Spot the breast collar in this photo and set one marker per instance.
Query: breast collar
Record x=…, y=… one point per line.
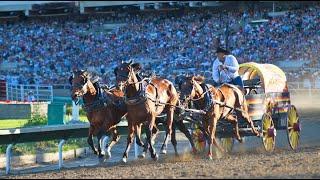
x=101, y=101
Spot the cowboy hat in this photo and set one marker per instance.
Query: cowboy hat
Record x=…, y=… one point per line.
x=221, y=50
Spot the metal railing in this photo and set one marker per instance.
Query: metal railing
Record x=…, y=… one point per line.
x=13, y=136
x=43, y=133
x=20, y=92
x=3, y=89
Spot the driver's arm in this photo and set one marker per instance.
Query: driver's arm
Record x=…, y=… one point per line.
x=215, y=71
x=232, y=64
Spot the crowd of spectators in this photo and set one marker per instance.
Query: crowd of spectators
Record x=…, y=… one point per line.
x=46, y=50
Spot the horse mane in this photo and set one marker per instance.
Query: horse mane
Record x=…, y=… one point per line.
x=136, y=67
x=200, y=79
x=116, y=92
x=115, y=71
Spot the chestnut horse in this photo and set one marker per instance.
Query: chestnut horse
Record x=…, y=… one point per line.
x=104, y=111
x=145, y=102
x=227, y=101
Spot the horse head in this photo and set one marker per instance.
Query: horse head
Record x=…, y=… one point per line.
x=126, y=74
x=190, y=87
x=81, y=85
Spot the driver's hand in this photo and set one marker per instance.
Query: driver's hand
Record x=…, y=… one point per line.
x=222, y=67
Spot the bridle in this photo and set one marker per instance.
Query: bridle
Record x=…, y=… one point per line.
x=80, y=86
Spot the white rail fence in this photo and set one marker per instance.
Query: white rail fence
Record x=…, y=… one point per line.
x=21, y=92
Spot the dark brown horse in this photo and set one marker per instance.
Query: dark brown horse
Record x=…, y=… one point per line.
x=104, y=111
x=225, y=100
x=145, y=103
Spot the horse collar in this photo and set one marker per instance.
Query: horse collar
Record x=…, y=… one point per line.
x=101, y=100
x=139, y=98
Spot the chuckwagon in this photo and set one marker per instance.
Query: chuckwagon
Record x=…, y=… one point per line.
x=269, y=106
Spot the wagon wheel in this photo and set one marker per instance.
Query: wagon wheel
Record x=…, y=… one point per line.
x=227, y=144
x=268, y=132
x=293, y=127
x=199, y=139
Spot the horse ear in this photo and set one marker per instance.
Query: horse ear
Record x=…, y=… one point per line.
x=85, y=73
x=136, y=67
x=70, y=79
x=115, y=71
x=198, y=78
x=130, y=62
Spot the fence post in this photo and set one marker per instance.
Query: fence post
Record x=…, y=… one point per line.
x=51, y=93
x=37, y=91
x=60, y=153
x=21, y=93
x=8, y=158
x=7, y=91
x=75, y=112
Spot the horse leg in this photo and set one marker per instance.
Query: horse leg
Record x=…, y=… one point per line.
x=129, y=140
x=90, y=140
x=99, y=135
x=149, y=134
x=169, y=124
x=138, y=135
x=146, y=145
x=115, y=139
x=165, y=144
x=212, y=132
x=140, y=142
x=234, y=121
x=246, y=116
x=155, y=131
x=174, y=139
x=185, y=131
x=170, y=127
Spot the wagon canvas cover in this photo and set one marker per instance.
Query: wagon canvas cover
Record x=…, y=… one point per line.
x=272, y=77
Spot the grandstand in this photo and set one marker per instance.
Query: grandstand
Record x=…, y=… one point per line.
x=42, y=41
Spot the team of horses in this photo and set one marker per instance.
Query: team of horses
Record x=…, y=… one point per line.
x=142, y=101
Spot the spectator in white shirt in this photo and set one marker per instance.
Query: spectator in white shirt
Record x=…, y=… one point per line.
x=30, y=97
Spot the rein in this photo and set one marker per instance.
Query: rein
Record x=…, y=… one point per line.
x=216, y=102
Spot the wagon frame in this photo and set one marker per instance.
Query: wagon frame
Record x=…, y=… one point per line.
x=269, y=107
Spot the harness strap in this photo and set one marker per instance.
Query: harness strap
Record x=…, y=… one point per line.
x=157, y=96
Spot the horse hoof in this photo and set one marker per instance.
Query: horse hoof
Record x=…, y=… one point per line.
x=258, y=134
x=163, y=151
x=108, y=155
x=210, y=158
x=143, y=155
x=194, y=151
x=155, y=157
x=95, y=152
x=124, y=160
x=100, y=156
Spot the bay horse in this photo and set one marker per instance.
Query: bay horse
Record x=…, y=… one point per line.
x=145, y=102
x=104, y=110
x=177, y=123
x=225, y=100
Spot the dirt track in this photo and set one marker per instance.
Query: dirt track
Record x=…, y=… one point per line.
x=247, y=160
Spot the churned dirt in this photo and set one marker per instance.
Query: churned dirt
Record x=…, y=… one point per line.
x=254, y=164
x=240, y=163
